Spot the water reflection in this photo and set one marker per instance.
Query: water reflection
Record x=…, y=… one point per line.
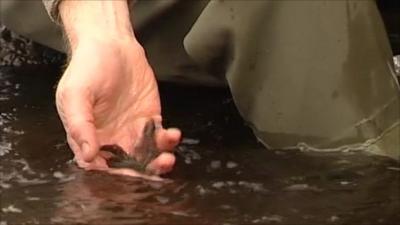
x=223, y=175
x=104, y=199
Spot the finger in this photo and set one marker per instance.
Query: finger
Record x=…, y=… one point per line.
x=76, y=109
x=167, y=139
x=164, y=163
x=132, y=173
x=74, y=147
x=98, y=163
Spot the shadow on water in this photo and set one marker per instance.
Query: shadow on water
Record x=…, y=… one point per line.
x=223, y=176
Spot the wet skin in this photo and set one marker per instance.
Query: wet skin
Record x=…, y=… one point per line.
x=145, y=152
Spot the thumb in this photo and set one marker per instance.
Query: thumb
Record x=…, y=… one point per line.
x=76, y=111
x=84, y=134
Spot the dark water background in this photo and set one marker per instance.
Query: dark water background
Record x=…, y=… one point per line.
x=223, y=176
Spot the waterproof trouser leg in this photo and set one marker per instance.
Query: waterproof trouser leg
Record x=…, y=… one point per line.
x=316, y=75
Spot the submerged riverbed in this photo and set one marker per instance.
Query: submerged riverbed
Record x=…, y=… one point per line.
x=223, y=175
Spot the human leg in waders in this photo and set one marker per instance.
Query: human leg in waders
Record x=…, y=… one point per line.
x=305, y=74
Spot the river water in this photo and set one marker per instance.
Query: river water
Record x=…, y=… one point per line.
x=223, y=175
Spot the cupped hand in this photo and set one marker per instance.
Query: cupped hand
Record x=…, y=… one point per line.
x=105, y=96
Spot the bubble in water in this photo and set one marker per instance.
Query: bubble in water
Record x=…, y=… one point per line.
x=215, y=164
x=11, y=209
x=231, y=165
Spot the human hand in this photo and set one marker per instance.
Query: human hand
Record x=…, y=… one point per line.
x=108, y=99
x=105, y=96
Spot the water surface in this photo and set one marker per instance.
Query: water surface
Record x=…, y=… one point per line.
x=223, y=175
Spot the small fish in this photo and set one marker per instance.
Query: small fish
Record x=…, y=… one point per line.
x=145, y=152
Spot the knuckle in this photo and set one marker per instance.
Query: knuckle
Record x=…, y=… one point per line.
x=74, y=133
x=73, y=130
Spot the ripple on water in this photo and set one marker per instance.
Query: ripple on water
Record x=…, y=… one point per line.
x=227, y=179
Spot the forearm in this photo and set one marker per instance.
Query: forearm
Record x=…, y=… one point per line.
x=100, y=20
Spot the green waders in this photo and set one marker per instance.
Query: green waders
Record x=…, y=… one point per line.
x=316, y=75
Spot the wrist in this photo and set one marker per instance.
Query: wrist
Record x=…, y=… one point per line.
x=106, y=46
x=99, y=21
x=104, y=42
